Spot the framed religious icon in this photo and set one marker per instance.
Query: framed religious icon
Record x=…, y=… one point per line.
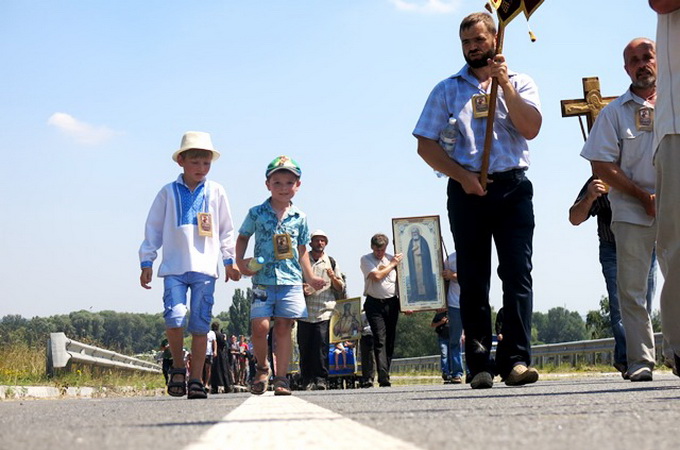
x=346, y=320
x=283, y=246
x=419, y=274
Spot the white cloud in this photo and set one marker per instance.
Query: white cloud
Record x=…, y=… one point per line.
x=427, y=6
x=82, y=132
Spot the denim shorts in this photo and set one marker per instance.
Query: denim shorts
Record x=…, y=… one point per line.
x=201, y=302
x=285, y=301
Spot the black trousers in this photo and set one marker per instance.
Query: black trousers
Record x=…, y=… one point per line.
x=382, y=316
x=505, y=215
x=367, y=358
x=313, y=344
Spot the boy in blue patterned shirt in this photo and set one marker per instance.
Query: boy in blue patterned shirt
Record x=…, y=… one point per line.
x=281, y=237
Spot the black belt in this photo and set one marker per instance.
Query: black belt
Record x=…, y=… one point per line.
x=510, y=175
x=381, y=300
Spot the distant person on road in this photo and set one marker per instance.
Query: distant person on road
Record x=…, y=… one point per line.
x=440, y=323
x=210, y=351
x=166, y=355
x=367, y=354
x=219, y=376
x=191, y=255
x=455, y=323
x=381, y=304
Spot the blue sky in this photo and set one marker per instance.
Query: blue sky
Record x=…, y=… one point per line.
x=95, y=97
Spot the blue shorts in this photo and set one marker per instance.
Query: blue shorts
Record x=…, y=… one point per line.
x=285, y=301
x=200, y=306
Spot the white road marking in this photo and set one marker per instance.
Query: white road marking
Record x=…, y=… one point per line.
x=271, y=423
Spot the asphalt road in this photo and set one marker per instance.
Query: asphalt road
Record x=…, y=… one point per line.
x=599, y=412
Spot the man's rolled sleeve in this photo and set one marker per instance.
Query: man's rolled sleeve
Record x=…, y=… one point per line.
x=435, y=114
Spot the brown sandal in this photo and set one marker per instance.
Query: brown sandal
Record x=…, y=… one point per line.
x=281, y=386
x=260, y=387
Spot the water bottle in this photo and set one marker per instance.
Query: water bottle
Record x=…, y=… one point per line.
x=447, y=139
x=255, y=264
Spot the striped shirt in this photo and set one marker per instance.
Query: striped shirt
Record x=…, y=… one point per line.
x=321, y=303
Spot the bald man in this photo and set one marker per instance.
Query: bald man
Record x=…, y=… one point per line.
x=620, y=149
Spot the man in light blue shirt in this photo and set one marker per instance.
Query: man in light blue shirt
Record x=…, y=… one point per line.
x=503, y=213
x=620, y=149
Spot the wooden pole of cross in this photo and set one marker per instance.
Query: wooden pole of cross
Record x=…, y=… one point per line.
x=488, y=137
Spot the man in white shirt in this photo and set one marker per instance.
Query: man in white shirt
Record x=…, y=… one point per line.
x=381, y=305
x=620, y=149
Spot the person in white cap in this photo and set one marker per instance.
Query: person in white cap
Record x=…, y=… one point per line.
x=312, y=331
x=190, y=218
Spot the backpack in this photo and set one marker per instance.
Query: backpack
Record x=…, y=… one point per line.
x=342, y=294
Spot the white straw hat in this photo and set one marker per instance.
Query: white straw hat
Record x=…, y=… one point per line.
x=196, y=140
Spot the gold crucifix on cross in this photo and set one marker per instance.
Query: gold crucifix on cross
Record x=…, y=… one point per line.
x=590, y=105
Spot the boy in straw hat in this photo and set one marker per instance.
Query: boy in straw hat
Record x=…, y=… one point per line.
x=281, y=236
x=191, y=220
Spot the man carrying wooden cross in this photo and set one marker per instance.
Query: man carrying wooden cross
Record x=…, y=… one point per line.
x=620, y=149
x=502, y=212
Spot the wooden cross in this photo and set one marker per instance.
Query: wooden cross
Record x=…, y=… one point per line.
x=590, y=105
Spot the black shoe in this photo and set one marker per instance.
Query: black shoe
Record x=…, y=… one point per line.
x=384, y=383
x=676, y=369
x=623, y=368
x=320, y=385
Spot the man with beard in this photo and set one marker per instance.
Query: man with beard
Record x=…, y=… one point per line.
x=312, y=331
x=503, y=213
x=620, y=149
x=422, y=281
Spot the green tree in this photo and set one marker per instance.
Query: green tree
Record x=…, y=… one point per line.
x=239, y=313
x=560, y=325
x=538, y=322
x=415, y=337
x=598, y=323
x=656, y=321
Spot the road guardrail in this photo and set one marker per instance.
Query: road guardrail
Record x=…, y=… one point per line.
x=596, y=351
x=62, y=350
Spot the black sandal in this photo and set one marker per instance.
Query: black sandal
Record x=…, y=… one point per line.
x=197, y=390
x=177, y=388
x=281, y=386
x=260, y=387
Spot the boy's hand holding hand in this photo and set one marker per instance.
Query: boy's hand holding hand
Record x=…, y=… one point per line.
x=145, y=277
x=232, y=273
x=243, y=267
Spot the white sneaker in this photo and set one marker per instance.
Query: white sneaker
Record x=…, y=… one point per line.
x=642, y=374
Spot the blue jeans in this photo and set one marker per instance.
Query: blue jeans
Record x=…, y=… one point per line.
x=608, y=262
x=455, y=333
x=200, y=303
